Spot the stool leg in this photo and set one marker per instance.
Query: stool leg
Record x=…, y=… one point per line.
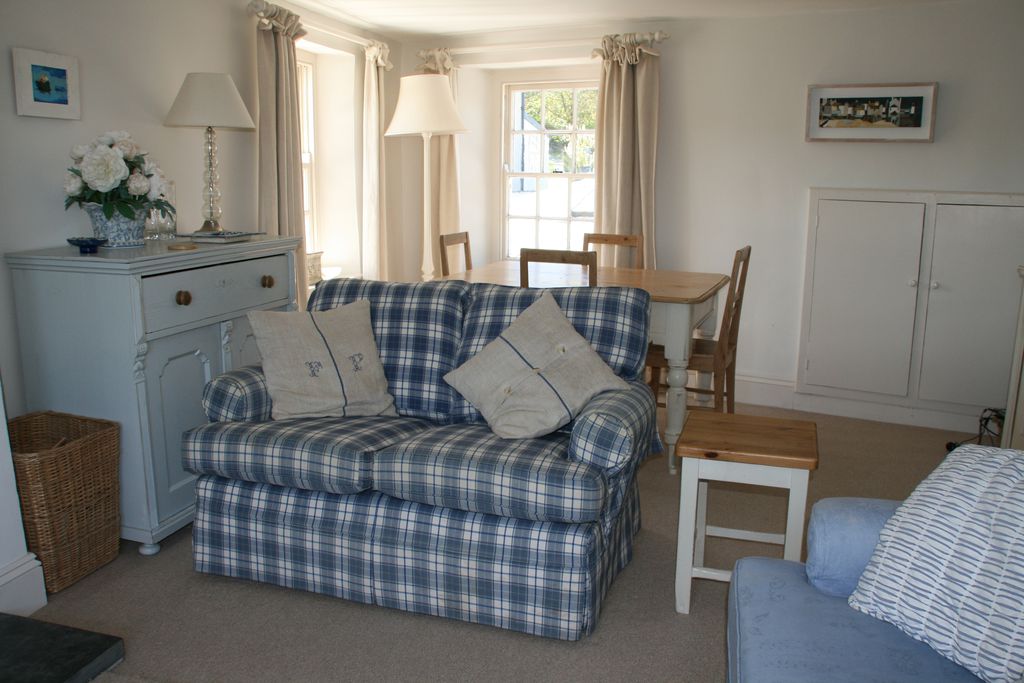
x=702, y=524
x=795, y=515
x=690, y=471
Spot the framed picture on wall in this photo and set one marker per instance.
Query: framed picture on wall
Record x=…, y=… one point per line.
x=891, y=112
x=45, y=84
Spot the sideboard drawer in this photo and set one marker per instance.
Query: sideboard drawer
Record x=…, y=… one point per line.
x=185, y=296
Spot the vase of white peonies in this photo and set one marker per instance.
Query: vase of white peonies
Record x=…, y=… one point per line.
x=117, y=186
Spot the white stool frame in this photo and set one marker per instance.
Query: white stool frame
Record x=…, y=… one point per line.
x=693, y=528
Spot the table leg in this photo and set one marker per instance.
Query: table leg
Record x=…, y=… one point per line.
x=795, y=515
x=687, y=523
x=702, y=524
x=677, y=354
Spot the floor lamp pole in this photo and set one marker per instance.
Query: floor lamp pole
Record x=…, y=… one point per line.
x=428, y=240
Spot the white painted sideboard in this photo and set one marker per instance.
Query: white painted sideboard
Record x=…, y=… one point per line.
x=133, y=336
x=911, y=298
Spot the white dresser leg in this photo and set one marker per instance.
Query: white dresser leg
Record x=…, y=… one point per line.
x=149, y=549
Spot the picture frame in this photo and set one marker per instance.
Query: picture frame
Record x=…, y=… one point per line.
x=885, y=112
x=46, y=84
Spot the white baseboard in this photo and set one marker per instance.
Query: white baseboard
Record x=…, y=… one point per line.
x=782, y=394
x=22, y=590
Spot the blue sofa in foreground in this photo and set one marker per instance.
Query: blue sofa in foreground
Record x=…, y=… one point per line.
x=790, y=622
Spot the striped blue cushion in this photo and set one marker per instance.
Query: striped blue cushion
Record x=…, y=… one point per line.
x=613, y=319
x=418, y=330
x=949, y=565
x=468, y=467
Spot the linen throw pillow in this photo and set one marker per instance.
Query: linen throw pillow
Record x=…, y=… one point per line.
x=322, y=364
x=536, y=376
x=948, y=569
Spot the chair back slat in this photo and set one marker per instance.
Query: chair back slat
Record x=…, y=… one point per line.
x=634, y=241
x=450, y=240
x=728, y=336
x=582, y=258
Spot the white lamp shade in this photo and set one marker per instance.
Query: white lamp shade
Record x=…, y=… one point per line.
x=209, y=100
x=425, y=105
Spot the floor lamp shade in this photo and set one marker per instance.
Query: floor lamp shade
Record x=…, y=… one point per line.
x=209, y=100
x=426, y=107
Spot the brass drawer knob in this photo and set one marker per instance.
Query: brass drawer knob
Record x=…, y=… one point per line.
x=183, y=297
x=267, y=281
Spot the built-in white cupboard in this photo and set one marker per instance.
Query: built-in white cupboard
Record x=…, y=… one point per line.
x=911, y=298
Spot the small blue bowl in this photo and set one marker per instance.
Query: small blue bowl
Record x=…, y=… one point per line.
x=86, y=245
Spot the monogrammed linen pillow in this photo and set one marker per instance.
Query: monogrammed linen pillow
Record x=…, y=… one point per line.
x=322, y=363
x=536, y=376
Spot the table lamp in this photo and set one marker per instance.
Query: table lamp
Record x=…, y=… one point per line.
x=425, y=107
x=209, y=100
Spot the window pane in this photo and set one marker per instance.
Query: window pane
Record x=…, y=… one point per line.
x=583, y=198
x=554, y=197
x=558, y=109
x=553, y=235
x=559, y=154
x=585, y=153
x=521, y=234
x=526, y=153
x=522, y=197
x=586, y=104
x=576, y=230
x=526, y=110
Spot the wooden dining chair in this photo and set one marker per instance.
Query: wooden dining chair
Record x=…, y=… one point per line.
x=709, y=355
x=450, y=240
x=634, y=241
x=583, y=258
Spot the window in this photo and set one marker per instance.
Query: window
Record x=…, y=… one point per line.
x=549, y=165
x=306, y=128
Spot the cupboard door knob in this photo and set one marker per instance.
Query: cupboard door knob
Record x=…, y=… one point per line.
x=911, y=282
x=183, y=297
x=267, y=281
x=934, y=284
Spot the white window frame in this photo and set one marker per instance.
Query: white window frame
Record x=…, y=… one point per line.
x=306, y=68
x=507, y=133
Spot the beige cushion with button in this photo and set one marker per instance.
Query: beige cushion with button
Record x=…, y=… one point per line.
x=536, y=376
x=322, y=364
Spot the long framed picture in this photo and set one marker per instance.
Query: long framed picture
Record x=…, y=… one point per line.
x=890, y=112
x=46, y=84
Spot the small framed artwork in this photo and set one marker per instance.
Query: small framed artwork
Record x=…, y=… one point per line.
x=46, y=84
x=891, y=112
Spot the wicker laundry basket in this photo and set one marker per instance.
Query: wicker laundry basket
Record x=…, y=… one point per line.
x=67, y=472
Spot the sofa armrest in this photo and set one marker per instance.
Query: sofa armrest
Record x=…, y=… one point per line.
x=238, y=396
x=841, y=537
x=615, y=428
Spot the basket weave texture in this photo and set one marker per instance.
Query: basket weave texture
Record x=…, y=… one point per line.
x=67, y=472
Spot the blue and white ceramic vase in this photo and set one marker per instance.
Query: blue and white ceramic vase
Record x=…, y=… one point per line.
x=119, y=231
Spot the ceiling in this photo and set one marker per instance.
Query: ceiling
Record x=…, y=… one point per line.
x=448, y=17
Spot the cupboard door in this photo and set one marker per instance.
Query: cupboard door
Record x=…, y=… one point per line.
x=241, y=349
x=864, y=295
x=177, y=369
x=973, y=298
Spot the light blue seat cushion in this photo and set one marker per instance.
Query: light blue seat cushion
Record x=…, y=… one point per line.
x=783, y=630
x=841, y=536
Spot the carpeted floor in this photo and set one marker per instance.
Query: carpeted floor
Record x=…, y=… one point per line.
x=182, y=626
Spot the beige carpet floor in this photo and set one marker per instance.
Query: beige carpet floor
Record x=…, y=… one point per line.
x=182, y=626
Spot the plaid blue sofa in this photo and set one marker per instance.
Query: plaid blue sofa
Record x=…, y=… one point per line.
x=431, y=512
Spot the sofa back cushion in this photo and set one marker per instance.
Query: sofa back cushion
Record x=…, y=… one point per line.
x=418, y=329
x=613, y=319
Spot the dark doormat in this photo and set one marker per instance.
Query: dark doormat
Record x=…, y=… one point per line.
x=38, y=652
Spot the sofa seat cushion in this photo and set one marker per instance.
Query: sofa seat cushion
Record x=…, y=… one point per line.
x=318, y=454
x=783, y=630
x=468, y=467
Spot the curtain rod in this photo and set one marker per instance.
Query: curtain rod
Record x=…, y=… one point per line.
x=653, y=37
x=334, y=33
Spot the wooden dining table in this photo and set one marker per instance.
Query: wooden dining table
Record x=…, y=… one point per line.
x=683, y=302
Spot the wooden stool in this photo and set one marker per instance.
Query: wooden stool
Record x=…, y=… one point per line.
x=742, y=449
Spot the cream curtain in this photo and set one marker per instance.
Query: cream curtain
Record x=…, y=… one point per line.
x=374, y=224
x=627, y=140
x=280, y=161
x=444, y=181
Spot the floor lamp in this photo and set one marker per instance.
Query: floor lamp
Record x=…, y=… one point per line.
x=425, y=107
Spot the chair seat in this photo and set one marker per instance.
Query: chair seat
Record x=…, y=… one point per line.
x=701, y=356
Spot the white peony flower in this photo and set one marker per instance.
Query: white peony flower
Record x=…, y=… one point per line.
x=157, y=186
x=138, y=184
x=103, y=169
x=127, y=148
x=113, y=136
x=78, y=152
x=72, y=184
